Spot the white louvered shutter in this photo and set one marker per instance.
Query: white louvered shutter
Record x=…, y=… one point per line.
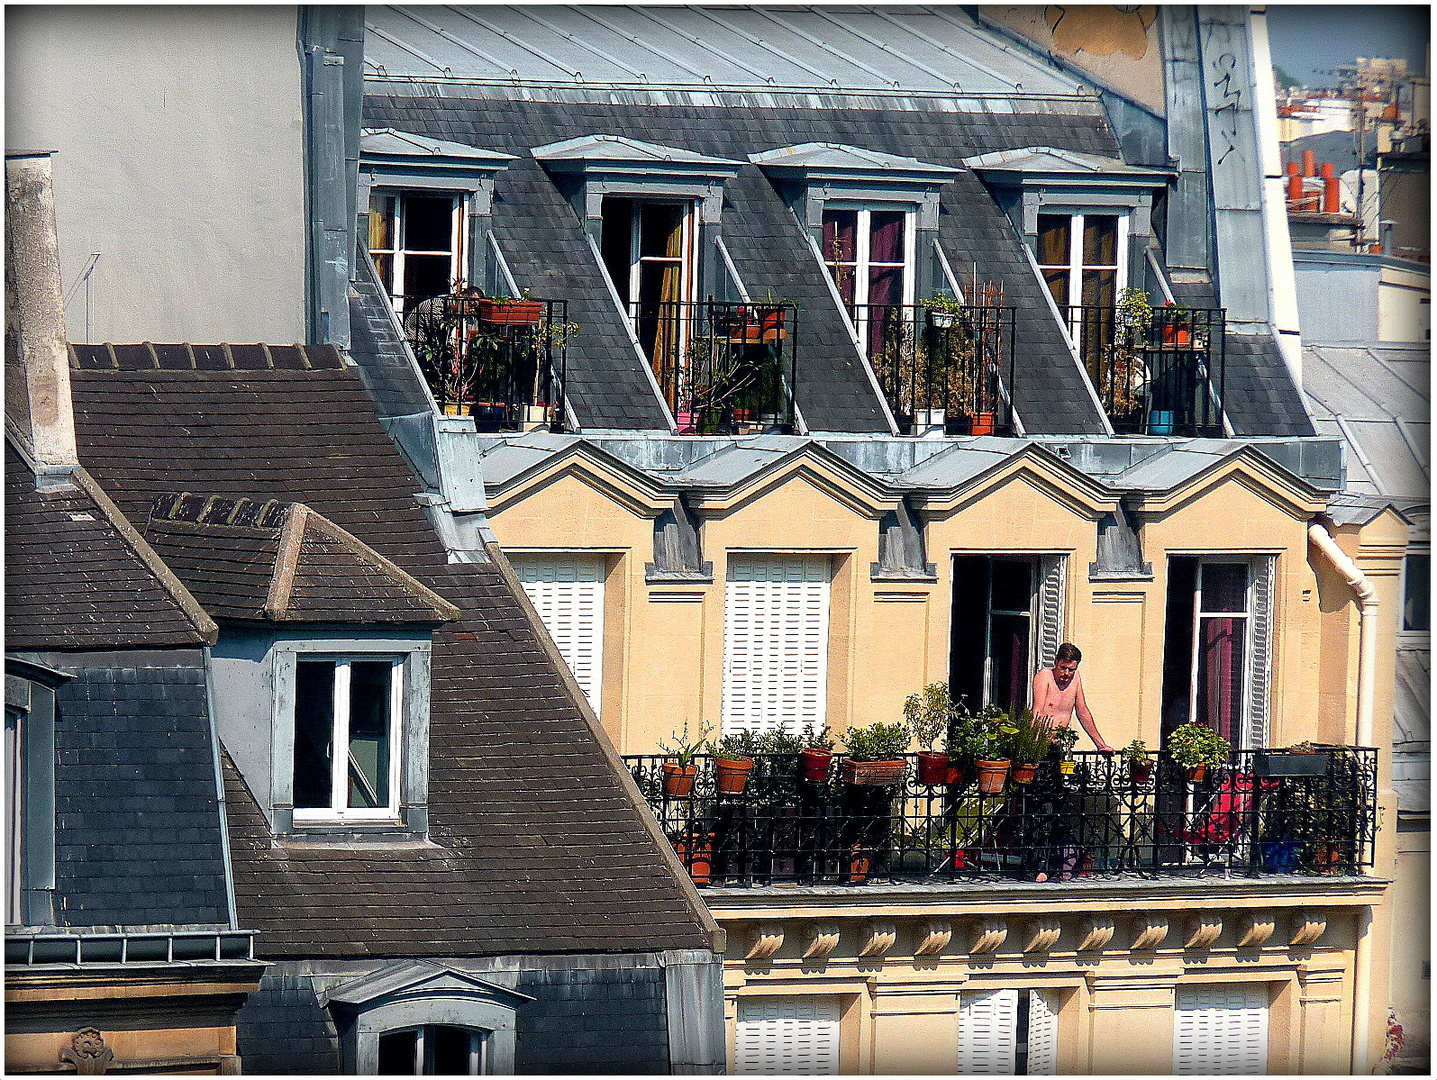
x=568, y=593
x=1052, y=585
x=1220, y=1030
x=775, y=643
x=1263, y=573
x=787, y=1035
x=1042, y=1033
x=988, y=1032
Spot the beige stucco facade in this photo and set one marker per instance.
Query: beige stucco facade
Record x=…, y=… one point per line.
x=1117, y=955
x=159, y=173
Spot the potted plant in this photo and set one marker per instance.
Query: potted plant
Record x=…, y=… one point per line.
x=679, y=774
x=510, y=310
x=990, y=754
x=733, y=760
x=874, y=753
x=928, y=715
x=1029, y=739
x=1140, y=762
x=944, y=312
x=1300, y=759
x=1195, y=747
x=1064, y=739
x=1177, y=326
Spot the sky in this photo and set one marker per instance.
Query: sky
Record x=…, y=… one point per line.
x=1309, y=40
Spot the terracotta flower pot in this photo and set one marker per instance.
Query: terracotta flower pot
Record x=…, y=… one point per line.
x=992, y=775
x=1141, y=774
x=697, y=855
x=1024, y=772
x=731, y=774
x=983, y=423
x=1197, y=773
x=511, y=312
x=679, y=780
x=813, y=764
x=959, y=772
x=932, y=768
x=1177, y=334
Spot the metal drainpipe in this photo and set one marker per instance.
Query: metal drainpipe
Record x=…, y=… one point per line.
x=1366, y=671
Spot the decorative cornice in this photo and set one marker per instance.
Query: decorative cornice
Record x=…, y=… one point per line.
x=881, y=934
x=1150, y=931
x=988, y=935
x=936, y=933
x=1306, y=926
x=1254, y=928
x=1043, y=934
x=822, y=940
x=1095, y=932
x=767, y=939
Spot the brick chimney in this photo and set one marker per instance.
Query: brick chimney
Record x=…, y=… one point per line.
x=38, y=412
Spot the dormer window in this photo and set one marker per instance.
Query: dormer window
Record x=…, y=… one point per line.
x=869, y=253
x=326, y=717
x=1083, y=257
x=416, y=242
x=648, y=249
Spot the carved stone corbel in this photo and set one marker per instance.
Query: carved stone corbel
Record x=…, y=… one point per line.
x=88, y=1053
x=1043, y=934
x=1253, y=929
x=1152, y=929
x=935, y=935
x=988, y=935
x=1306, y=926
x=1094, y=933
x=882, y=933
x=1202, y=930
x=822, y=940
x=767, y=940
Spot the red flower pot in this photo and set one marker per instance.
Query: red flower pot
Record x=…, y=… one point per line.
x=874, y=773
x=1174, y=334
x=1024, y=772
x=813, y=764
x=511, y=312
x=932, y=768
x=697, y=856
x=983, y=423
x=679, y=780
x=1141, y=773
x=1197, y=774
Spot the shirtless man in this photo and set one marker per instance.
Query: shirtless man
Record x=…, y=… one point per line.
x=1058, y=693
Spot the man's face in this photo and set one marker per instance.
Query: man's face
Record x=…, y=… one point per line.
x=1063, y=672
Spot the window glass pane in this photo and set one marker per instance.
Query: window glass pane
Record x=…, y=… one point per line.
x=1100, y=240
x=1054, y=231
x=398, y=1052
x=1416, y=600
x=616, y=243
x=1008, y=651
x=840, y=235
x=1100, y=287
x=428, y=222
x=426, y=275
x=1220, y=675
x=1012, y=585
x=369, y=697
x=313, y=733
x=885, y=286
x=385, y=265
x=449, y=1048
x=381, y=222
x=661, y=230
x=885, y=238
x=1224, y=587
x=1057, y=285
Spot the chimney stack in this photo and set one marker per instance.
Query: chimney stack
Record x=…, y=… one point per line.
x=38, y=411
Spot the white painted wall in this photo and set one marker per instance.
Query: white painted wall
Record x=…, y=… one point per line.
x=179, y=140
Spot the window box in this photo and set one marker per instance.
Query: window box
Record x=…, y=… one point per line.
x=873, y=773
x=511, y=312
x=1288, y=764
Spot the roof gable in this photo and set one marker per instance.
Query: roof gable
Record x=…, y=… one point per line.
x=417, y=978
x=835, y=161
x=282, y=562
x=1055, y=162
x=620, y=154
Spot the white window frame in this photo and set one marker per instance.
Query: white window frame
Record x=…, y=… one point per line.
x=1253, y=709
x=687, y=258
x=15, y=811
x=457, y=255
x=409, y=733
x=863, y=247
x=1075, y=267
x=339, y=771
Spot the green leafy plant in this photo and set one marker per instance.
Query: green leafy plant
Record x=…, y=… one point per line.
x=1136, y=753
x=779, y=741
x=1195, y=744
x=1064, y=738
x=822, y=739
x=1028, y=737
x=1134, y=309
x=684, y=748
x=739, y=745
x=876, y=742
x=929, y=713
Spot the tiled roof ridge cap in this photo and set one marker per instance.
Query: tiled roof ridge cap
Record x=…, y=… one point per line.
x=183, y=356
x=194, y=612
x=281, y=582
x=212, y=510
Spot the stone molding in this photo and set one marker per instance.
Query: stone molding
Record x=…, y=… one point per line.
x=1306, y=926
x=1203, y=929
x=1043, y=933
x=822, y=940
x=767, y=940
x=1254, y=928
x=1150, y=930
x=880, y=936
x=935, y=935
x=988, y=935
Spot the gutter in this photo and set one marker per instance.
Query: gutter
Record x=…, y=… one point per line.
x=1323, y=542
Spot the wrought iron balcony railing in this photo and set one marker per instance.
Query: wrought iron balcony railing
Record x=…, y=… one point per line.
x=1160, y=375
x=1247, y=816
x=725, y=368
x=949, y=368
x=503, y=363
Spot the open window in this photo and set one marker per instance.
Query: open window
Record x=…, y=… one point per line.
x=1084, y=259
x=649, y=254
x=434, y=1050
x=416, y=240
x=1009, y=1032
x=1006, y=622
x=1217, y=646
x=348, y=720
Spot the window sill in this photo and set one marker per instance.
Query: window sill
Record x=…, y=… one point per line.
x=411, y=823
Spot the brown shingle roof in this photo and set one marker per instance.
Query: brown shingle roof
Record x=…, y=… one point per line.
x=282, y=562
x=78, y=576
x=536, y=843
